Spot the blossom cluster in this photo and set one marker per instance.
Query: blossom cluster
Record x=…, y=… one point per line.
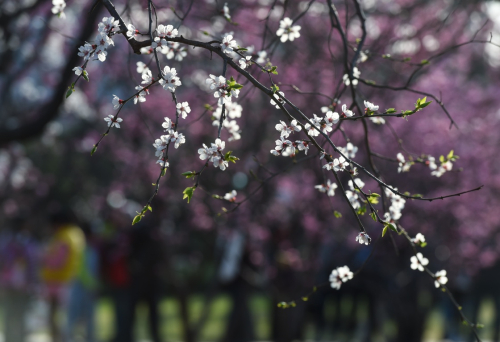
x=340, y=275
x=403, y=165
x=397, y=205
x=233, y=111
x=352, y=194
x=214, y=154
x=160, y=43
x=96, y=50
x=223, y=90
x=164, y=141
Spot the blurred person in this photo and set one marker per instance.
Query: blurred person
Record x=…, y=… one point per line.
x=147, y=260
x=82, y=296
x=115, y=273
x=18, y=278
x=60, y=264
x=235, y=272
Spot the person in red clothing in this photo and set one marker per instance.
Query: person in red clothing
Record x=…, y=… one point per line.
x=114, y=256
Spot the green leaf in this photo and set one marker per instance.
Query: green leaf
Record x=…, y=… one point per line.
x=423, y=105
x=273, y=70
x=189, y=174
x=407, y=112
x=407, y=59
x=337, y=214
x=370, y=81
x=423, y=244
x=392, y=227
x=188, y=193
x=137, y=219
x=71, y=89
x=208, y=107
x=374, y=217
x=424, y=62
x=390, y=110
x=450, y=155
x=216, y=196
x=373, y=198
x=230, y=157
x=275, y=88
x=233, y=159
x=163, y=172
x=362, y=210
x=384, y=231
x=149, y=208
x=93, y=150
x=242, y=49
x=305, y=299
x=479, y=325
x=85, y=75
x=205, y=33
x=441, y=159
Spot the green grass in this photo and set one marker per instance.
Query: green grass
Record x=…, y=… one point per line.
x=171, y=325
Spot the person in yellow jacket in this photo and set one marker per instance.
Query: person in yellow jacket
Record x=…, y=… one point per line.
x=60, y=264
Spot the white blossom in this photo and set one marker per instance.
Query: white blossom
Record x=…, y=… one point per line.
x=349, y=151
x=110, y=119
x=353, y=198
x=418, y=239
x=107, y=25
x=287, y=31
x=278, y=99
x=168, y=124
x=338, y=164
x=58, y=8
x=285, y=129
x=355, y=73
x=116, y=102
x=340, y=275
x=225, y=12
x=347, y=112
x=302, y=145
x=447, y=166
x=78, y=70
x=231, y=196
x=359, y=183
x=404, y=166
x=131, y=31
x=431, y=162
x=183, y=109
x=170, y=81
x=370, y=106
x=166, y=31
x=331, y=118
x=378, y=120
x=85, y=51
x=440, y=278
x=328, y=188
x=418, y=262
x=228, y=44
x=262, y=57
x=233, y=110
x=141, y=95
x=245, y=62
x=141, y=67
x=363, y=238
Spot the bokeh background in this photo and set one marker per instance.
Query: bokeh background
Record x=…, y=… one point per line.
x=192, y=272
